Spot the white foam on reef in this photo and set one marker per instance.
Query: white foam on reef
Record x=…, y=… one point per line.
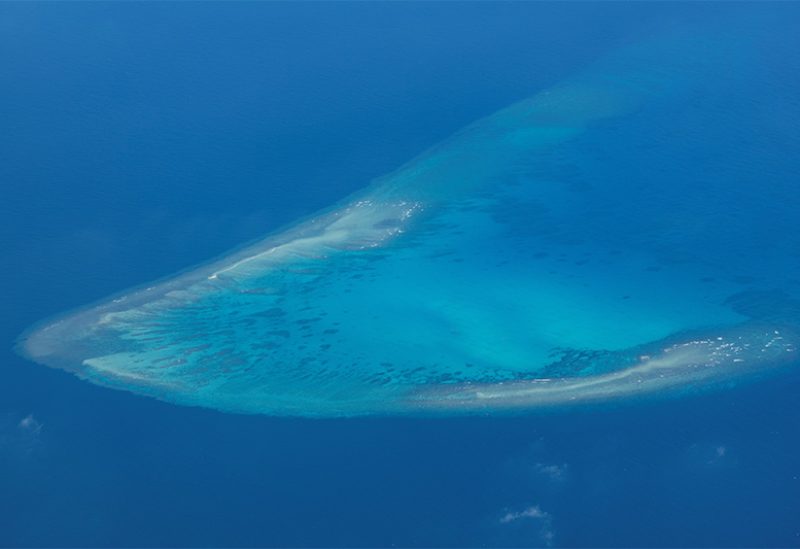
x=235, y=334
x=690, y=363
x=360, y=225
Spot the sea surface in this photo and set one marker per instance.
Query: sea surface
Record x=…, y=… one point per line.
x=519, y=191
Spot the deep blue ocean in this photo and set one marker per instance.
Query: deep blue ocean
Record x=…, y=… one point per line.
x=142, y=138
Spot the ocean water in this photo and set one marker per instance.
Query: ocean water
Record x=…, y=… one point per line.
x=588, y=206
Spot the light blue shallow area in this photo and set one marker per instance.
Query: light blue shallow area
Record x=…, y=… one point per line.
x=594, y=241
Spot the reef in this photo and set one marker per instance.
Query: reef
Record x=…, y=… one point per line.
x=552, y=253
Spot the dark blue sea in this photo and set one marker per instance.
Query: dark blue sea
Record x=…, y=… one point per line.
x=139, y=139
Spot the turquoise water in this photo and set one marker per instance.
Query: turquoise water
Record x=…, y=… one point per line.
x=569, y=248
